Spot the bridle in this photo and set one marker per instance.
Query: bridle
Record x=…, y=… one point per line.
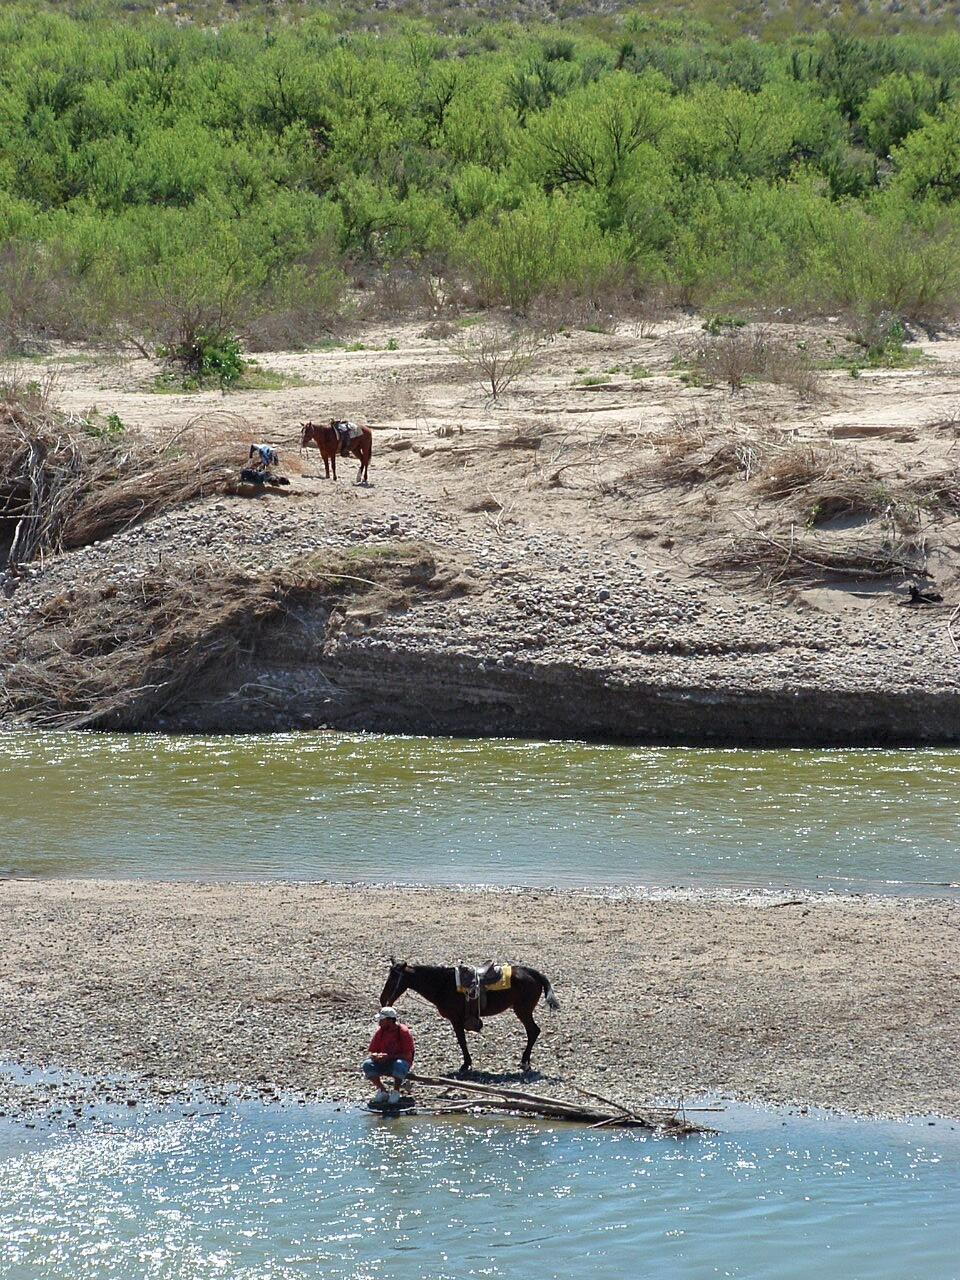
x=395, y=984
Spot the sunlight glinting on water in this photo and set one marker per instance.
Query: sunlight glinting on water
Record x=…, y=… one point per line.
x=283, y=1194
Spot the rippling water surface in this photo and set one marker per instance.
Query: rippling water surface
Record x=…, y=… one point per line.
x=313, y=806
x=257, y=1194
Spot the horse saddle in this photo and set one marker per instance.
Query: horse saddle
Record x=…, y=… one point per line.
x=347, y=432
x=474, y=983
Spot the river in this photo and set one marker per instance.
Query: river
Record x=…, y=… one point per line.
x=258, y=1193
x=448, y=811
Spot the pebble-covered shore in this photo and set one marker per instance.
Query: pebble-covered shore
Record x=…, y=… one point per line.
x=540, y=599
x=270, y=989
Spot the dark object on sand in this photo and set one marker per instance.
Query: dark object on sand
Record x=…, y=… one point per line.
x=919, y=596
x=404, y=1103
x=250, y=475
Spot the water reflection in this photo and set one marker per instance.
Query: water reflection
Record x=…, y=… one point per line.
x=309, y=806
x=290, y=1194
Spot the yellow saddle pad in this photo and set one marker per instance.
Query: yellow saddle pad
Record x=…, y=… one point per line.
x=503, y=983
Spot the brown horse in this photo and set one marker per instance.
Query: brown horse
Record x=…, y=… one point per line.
x=328, y=442
x=438, y=984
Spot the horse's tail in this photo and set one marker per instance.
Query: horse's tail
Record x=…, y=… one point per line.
x=548, y=992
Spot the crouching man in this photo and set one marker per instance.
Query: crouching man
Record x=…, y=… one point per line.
x=391, y=1054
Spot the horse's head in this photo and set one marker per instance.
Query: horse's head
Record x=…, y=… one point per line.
x=398, y=979
x=307, y=430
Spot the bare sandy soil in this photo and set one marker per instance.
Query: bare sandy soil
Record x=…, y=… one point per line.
x=841, y=1002
x=698, y=564
x=595, y=418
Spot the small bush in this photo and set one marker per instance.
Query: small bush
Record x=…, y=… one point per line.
x=215, y=359
x=746, y=355
x=497, y=356
x=112, y=427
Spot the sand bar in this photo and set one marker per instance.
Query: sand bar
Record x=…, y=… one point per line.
x=845, y=1002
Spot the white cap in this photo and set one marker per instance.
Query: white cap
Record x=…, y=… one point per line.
x=387, y=1012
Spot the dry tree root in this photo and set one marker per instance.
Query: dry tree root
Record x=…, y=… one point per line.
x=111, y=655
x=63, y=487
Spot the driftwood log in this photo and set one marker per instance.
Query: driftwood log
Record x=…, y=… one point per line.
x=489, y=1097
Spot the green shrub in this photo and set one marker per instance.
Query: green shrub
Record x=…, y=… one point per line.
x=207, y=358
x=547, y=243
x=163, y=180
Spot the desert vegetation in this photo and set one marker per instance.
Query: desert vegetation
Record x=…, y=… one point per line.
x=185, y=184
x=68, y=481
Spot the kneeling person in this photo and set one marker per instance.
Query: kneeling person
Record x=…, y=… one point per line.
x=391, y=1054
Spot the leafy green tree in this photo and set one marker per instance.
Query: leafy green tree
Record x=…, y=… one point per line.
x=896, y=106
x=928, y=160
x=548, y=243
x=594, y=136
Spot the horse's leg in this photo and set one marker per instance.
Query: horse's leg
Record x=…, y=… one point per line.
x=326, y=465
x=333, y=463
x=462, y=1042
x=533, y=1031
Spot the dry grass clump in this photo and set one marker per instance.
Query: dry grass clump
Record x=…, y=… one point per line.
x=114, y=655
x=938, y=492
x=521, y=438
x=66, y=483
x=753, y=355
x=687, y=453
x=792, y=470
x=148, y=485
x=828, y=484
x=810, y=557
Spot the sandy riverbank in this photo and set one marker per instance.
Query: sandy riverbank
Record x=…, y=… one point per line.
x=625, y=558
x=839, y=1002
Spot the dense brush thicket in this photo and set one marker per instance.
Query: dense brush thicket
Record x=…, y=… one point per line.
x=166, y=184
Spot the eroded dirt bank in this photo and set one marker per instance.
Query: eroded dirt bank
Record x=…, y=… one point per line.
x=849, y=1003
x=613, y=550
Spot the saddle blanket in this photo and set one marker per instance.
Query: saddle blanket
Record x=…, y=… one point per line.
x=503, y=983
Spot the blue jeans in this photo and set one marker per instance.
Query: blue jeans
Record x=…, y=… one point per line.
x=398, y=1068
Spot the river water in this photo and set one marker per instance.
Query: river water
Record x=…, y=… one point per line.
x=446, y=811
x=299, y=1193
x=257, y=1193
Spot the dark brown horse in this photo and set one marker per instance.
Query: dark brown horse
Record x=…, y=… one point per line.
x=438, y=984
x=327, y=441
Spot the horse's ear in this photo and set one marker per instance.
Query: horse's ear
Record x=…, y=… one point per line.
x=392, y=962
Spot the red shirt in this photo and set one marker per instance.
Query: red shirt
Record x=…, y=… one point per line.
x=393, y=1039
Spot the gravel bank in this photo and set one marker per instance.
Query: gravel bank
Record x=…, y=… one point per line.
x=849, y=1003
x=548, y=634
